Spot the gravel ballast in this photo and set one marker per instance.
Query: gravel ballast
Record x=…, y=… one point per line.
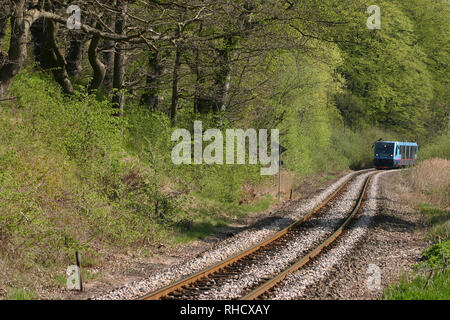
x=377, y=247
x=223, y=250
x=310, y=234
x=294, y=285
x=383, y=243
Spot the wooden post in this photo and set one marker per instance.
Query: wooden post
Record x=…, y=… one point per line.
x=290, y=196
x=78, y=257
x=279, y=178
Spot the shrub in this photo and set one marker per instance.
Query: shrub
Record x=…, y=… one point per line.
x=437, y=148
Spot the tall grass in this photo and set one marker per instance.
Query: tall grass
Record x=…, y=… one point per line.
x=431, y=178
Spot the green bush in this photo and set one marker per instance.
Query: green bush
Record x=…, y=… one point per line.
x=437, y=148
x=436, y=255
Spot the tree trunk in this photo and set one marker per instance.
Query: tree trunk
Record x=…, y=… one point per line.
x=197, y=92
x=40, y=43
x=17, y=48
x=75, y=54
x=97, y=66
x=223, y=80
x=108, y=57
x=119, y=60
x=47, y=53
x=226, y=89
x=59, y=71
x=198, y=74
x=108, y=61
x=176, y=76
x=5, y=12
x=151, y=98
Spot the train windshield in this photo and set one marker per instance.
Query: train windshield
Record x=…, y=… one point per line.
x=382, y=148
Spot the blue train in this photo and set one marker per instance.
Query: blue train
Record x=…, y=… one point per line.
x=394, y=154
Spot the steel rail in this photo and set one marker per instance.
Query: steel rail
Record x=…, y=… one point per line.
x=184, y=282
x=268, y=285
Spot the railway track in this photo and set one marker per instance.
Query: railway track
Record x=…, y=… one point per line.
x=198, y=285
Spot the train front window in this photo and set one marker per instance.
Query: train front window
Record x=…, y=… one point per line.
x=385, y=149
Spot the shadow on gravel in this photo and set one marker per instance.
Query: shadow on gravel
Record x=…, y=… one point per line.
x=390, y=223
x=230, y=231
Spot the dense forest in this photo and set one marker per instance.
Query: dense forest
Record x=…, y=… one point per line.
x=91, y=91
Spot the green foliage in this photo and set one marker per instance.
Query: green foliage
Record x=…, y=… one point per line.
x=389, y=69
x=436, y=148
x=351, y=149
x=80, y=126
x=302, y=101
x=434, y=255
x=352, y=109
x=320, y=133
x=432, y=31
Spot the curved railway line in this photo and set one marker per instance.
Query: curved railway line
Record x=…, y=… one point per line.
x=198, y=285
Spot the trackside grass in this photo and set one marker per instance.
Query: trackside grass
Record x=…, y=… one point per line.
x=430, y=280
